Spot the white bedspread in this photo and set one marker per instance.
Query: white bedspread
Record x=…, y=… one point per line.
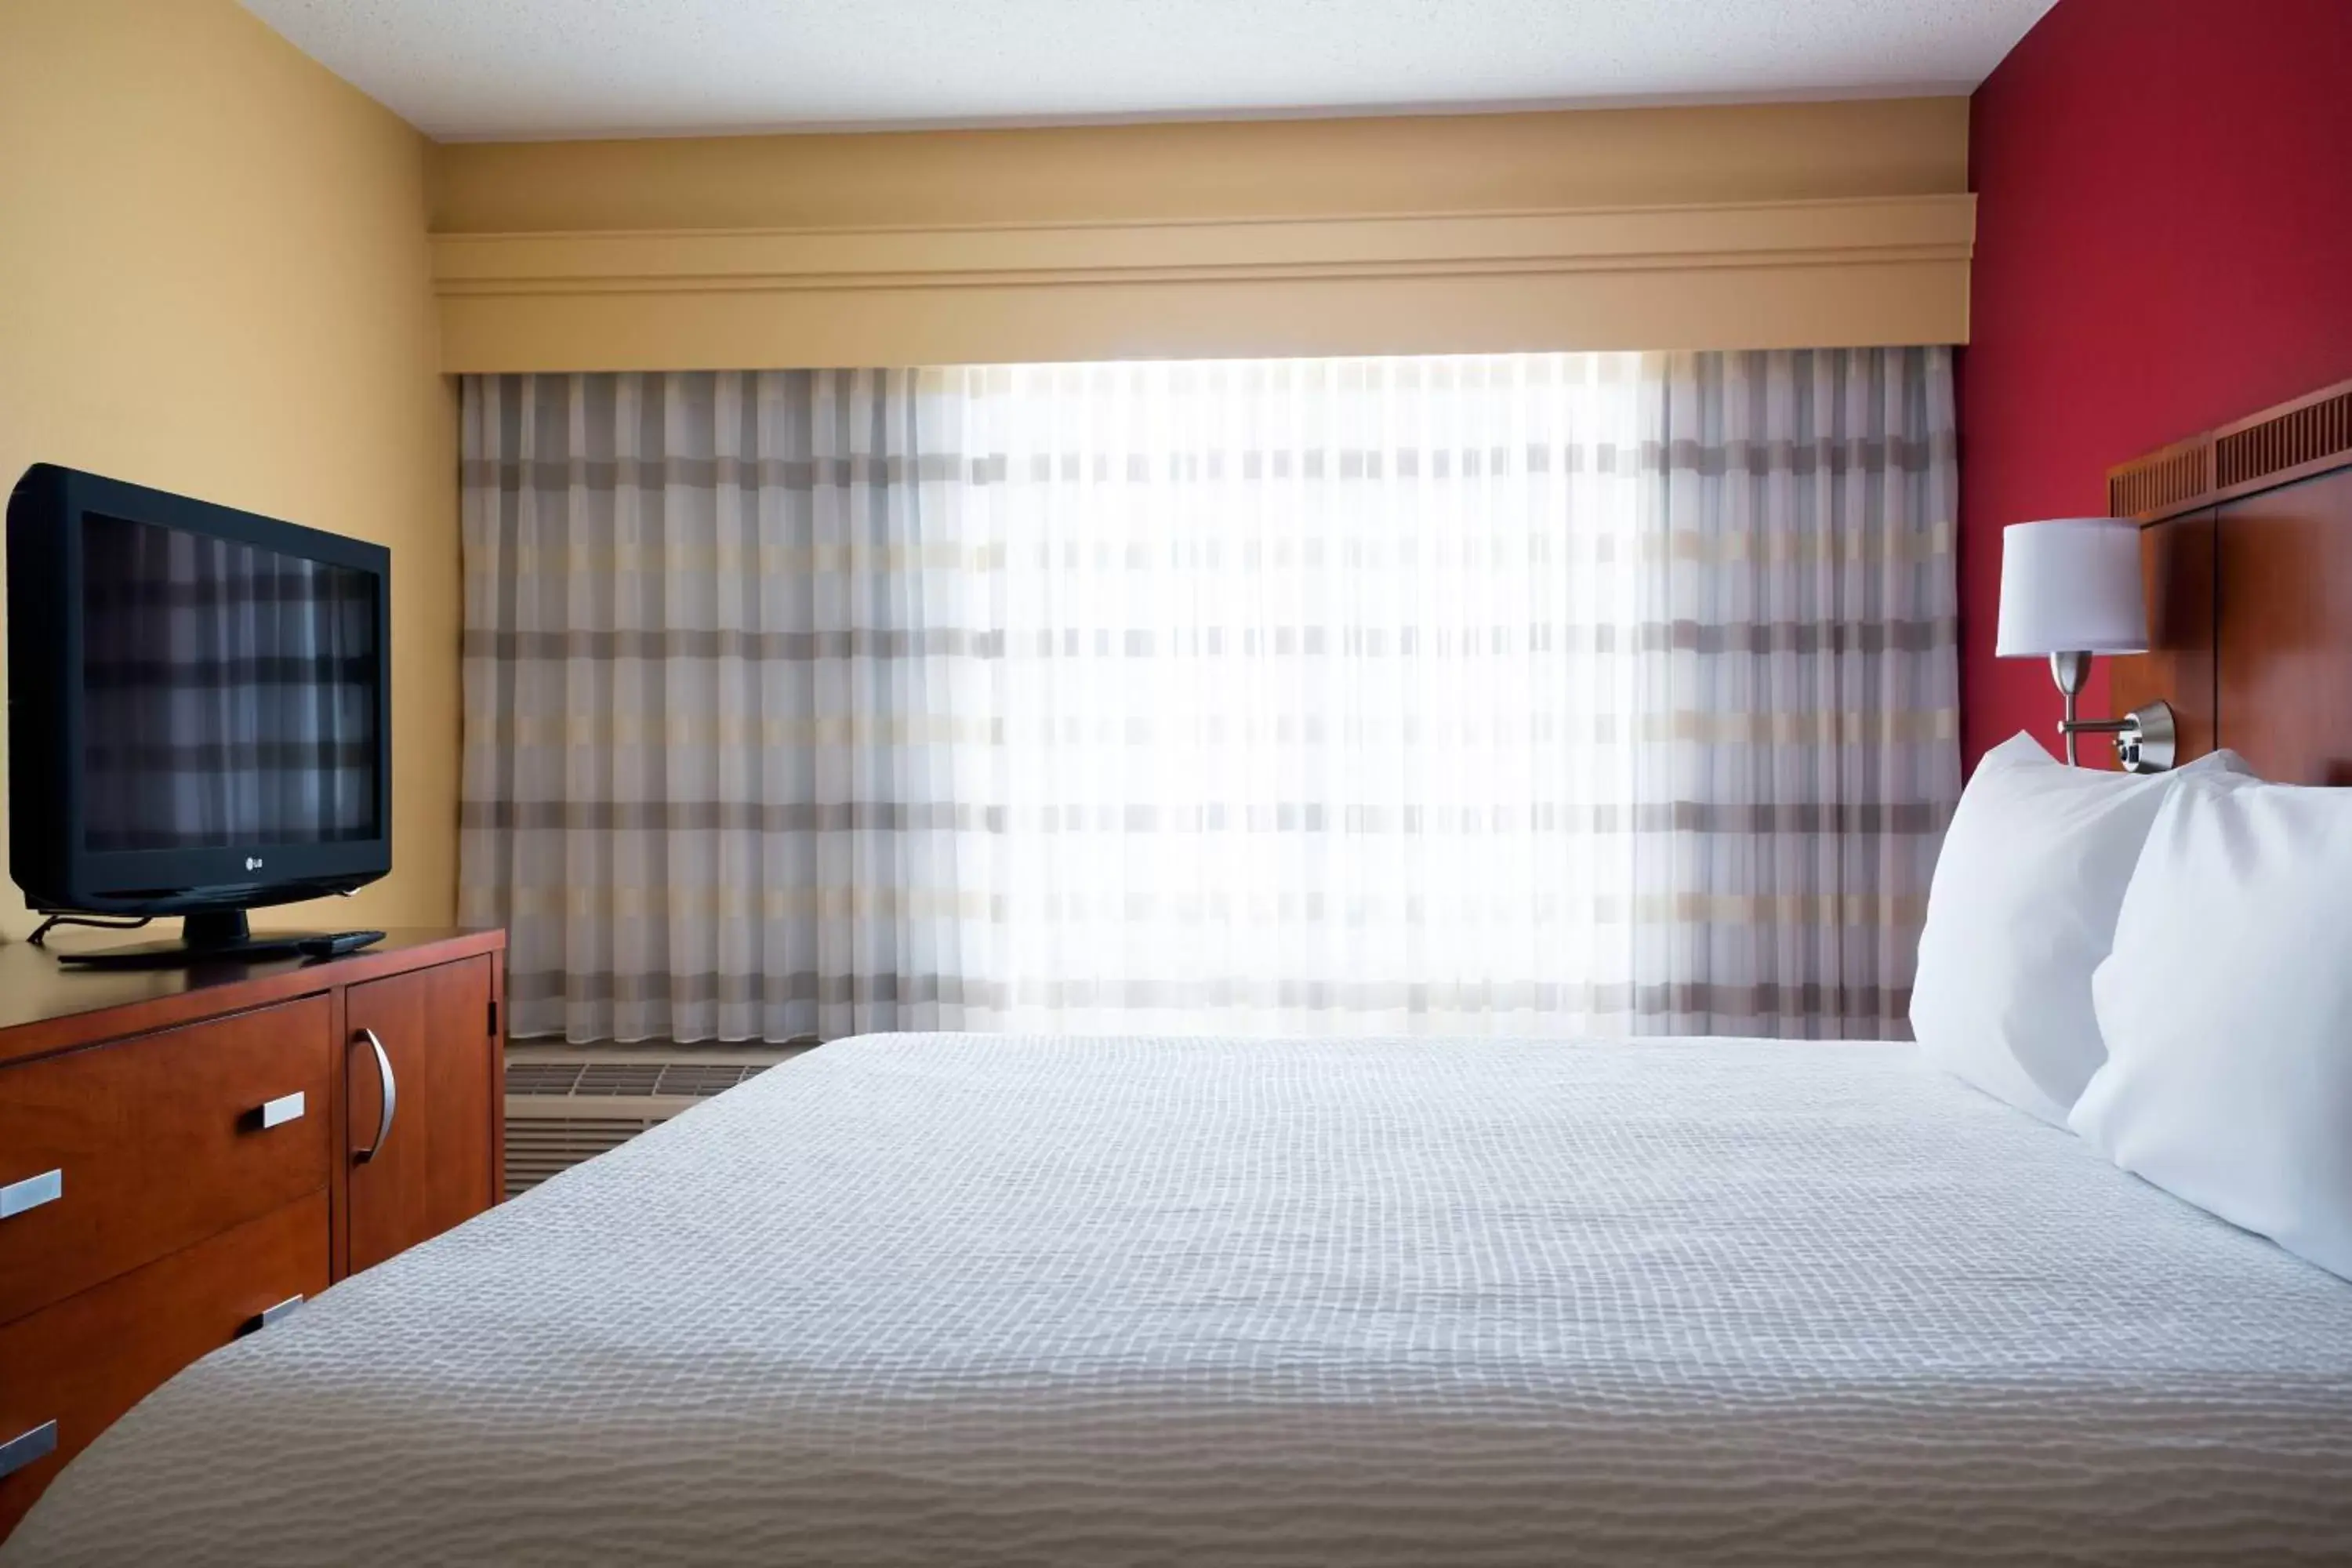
x=965, y=1300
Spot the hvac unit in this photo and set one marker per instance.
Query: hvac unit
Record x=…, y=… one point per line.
x=565, y=1104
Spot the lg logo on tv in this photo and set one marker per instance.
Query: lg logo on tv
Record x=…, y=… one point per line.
x=252, y=862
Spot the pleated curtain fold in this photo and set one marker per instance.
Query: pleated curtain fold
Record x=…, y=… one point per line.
x=1546, y=694
x=728, y=738
x=1799, y=690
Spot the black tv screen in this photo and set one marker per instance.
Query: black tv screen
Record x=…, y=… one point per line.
x=198, y=702
x=228, y=692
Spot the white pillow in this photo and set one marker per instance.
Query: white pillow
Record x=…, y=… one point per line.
x=2022, y=910
x=2227, y=1007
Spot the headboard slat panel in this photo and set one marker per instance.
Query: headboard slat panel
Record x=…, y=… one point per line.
x=2247, y=541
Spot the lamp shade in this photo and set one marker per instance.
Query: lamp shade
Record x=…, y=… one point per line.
x=2070, y=585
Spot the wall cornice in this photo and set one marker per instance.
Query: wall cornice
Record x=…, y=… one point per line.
x=1830, y=272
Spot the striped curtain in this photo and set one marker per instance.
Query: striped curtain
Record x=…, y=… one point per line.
x=1799, y=692
x=1443, y=695
x=729, y=686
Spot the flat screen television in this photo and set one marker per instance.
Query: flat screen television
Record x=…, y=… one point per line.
x=199, y=708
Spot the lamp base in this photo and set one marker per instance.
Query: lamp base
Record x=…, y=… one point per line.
x=2150, y=740
x=2072, y=671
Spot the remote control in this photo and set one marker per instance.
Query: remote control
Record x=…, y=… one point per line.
x=339, y=943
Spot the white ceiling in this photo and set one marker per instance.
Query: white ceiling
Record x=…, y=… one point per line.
x=481, y=68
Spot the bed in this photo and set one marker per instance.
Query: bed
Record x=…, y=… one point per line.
x=984, y=1299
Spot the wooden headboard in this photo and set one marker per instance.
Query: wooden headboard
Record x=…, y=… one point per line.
x=2246, y=543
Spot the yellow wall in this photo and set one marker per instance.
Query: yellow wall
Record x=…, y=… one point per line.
x=214, y=279
x=1749, y=226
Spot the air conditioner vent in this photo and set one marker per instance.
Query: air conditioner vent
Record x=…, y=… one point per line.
x=539, y=1147
x=627, y=1079
x=2310, y=434
x=562, y=1109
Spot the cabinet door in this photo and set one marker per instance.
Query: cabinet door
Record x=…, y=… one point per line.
x=423, y=1039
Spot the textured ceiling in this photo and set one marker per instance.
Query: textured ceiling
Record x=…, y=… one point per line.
x=570, y=68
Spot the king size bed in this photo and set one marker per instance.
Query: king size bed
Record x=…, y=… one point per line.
x=968, y=1299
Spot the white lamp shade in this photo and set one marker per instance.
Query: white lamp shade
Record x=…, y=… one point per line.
x=2070, y=585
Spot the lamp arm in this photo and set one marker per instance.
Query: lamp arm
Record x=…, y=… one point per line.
x=2146, y=739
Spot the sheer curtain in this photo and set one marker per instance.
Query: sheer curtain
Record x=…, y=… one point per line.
x=1316, y=692
x=1420, y=695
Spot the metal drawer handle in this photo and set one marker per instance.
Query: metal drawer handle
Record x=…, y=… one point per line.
x=268, y=1315
x=391, y=1099
x=277, y=1112
x=31, y=1193
x=26, y=1448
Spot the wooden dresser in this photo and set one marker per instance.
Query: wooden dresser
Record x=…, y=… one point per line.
x=185, y=1154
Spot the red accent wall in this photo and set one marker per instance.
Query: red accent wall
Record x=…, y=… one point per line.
x=2164, y=242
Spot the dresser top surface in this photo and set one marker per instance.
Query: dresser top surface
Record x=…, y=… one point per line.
x=36, y=991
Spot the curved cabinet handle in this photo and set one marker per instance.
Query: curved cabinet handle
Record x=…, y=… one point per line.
x=391, y=1099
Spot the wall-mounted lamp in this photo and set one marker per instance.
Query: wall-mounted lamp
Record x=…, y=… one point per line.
x=2071, y=588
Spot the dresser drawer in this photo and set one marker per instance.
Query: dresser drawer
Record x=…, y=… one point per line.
x=82, y=1363
x=114, y=1155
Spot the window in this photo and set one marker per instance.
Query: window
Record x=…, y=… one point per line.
x=1541, y=694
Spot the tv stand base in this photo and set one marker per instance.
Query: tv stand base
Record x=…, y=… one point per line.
x=221, y=936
